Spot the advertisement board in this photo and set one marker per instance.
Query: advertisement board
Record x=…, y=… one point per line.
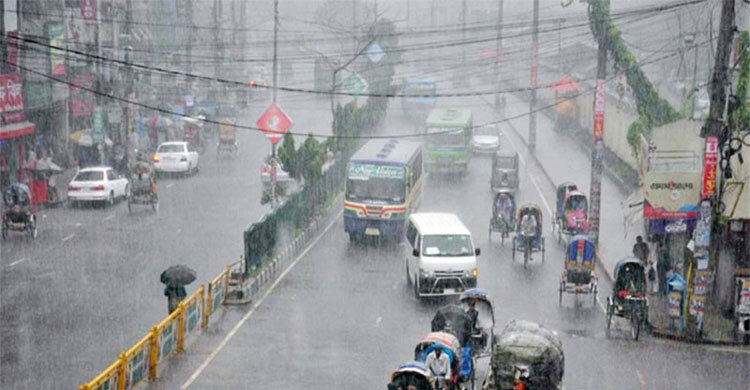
x=671, y=195
x=81, y=100
x=11, y=93
x=710, y=161
x=56, y=34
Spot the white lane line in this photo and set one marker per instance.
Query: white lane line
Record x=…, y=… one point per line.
x=640, y=379
x=255, y=306
x=19, y=261
x=170, y=185
x=68, y=237
x=109, y=217
x=601, y=305
x=378, y=321
x=533, y=181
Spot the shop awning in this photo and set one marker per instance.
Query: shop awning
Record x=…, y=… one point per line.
x=16, y=129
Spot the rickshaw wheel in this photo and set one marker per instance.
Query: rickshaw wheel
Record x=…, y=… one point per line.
x=562, y=287
x=543, y=249
x=635, y=323
x=513, y=256
x=5, y=232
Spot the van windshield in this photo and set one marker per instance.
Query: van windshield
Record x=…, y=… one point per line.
x=447, y=245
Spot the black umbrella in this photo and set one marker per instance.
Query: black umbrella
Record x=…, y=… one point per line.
x=178, y=275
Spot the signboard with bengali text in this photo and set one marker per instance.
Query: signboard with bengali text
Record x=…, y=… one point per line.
x=599, y=107
x=710, y=161
x=359, y=171
x=11, y=93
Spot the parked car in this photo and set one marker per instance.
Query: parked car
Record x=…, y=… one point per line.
x=486, y=139
x=98, y=184
x=173, y=157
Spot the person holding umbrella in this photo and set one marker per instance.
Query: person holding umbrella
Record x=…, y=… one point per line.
x=175, y=278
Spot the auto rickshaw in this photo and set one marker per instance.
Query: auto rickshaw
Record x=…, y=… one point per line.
x=227, y=140
x=505, y=172
x=143, y=186
x=527, y=356
x=18, y=215
x=503, y=218
x=193, y=132
x=410, y=375
x=524, y=241
x=579, y=274
x=628, y=299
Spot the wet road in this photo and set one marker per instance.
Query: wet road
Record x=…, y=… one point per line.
x=88, y=287
x=344, y=316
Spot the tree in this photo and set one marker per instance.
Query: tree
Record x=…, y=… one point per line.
x=310, y=159
x=288, y=155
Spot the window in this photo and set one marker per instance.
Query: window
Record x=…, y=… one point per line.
x=89, y=176
x=111, y=175
x=447, y=245
x=411, y=233
x=171, y=148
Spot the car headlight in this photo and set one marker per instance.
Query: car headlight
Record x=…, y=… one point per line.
x=474, y=272
x=425, y=274
x=155, y=158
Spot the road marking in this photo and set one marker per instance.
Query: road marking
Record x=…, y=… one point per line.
x=533, y=181
x=109, y=217
x=255, y=306
x=601, y=305
x=378, y=321
x=170, y=185
x=68, y=237
x=640, y=379
x=21, y=260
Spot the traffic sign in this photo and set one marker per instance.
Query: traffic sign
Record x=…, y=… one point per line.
x=355, y=84
x=274, y=123
x=375, y=53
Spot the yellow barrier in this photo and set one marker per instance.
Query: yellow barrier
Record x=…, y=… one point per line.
x=168, y=336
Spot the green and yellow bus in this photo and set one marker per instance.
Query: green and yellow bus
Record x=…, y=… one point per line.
x=448, y=143
x=383, y=187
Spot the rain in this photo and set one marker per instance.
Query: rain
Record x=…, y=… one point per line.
x=400, y=194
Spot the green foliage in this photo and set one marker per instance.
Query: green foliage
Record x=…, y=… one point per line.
x=653, y=110
x=740, y=118
x=310, y=159
x=288, y=156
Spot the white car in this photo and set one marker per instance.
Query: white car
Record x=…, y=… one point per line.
x=97, y=184
x=486, y=139
x=176, y=157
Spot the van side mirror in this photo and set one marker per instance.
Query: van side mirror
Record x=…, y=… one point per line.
x=477, y=251
x=415, y=252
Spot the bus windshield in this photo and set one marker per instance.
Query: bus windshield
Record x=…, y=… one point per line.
x=446, y=137
x=375, y=188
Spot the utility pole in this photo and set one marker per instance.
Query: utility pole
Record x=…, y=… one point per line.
x=4, y=40
x=598, y=132
x=217, y=40
x=189, y=43
x=534, y=55
x=719, y=80
x=354, y=25
x=463, y=33
x=498, y=51
x=275, y=48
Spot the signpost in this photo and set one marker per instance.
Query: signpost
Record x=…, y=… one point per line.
x=274, y=123
x=375, y=52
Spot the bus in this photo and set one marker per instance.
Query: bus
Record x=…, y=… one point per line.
x=448, y=146
x=419, y=106
x=383, y=187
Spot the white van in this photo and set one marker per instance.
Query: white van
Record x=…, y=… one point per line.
x=440, y=255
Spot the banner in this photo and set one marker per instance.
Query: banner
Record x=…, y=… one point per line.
x=599, y=104
x=81, y=100
x=12, y=52
x=88, y=11
x=11, y=93
x=710, y=160
x=56, y=34
x=743, y=304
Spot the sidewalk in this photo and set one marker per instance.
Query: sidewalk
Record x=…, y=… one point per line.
x=615, y=240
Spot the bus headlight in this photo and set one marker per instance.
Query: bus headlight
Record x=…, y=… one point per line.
x=350, y=212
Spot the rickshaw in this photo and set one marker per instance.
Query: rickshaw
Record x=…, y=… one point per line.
x=227, y=140
x=532, y=243
x=455, y=320
x=450, y=346
x=483, y=333
x=143, y=187
x=193, y=129
x=579, y=274
x=503, y=215
x=573, y=219
x=628, y=299
x=413, y=374
x=18, y=215
x=527, y=356
x=505, y=172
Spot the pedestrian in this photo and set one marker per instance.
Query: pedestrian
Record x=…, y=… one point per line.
x=175, y=295
x=663, y=266
x=641, y=251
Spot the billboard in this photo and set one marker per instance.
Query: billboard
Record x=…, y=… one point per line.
x=81, y=100
x=671, y=195
x=11, y=93
x=56, y=34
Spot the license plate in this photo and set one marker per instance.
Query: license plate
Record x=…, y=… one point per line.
x=372, y=232
x=449, y=291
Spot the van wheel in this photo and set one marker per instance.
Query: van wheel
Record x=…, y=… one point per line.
x=416, y=287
